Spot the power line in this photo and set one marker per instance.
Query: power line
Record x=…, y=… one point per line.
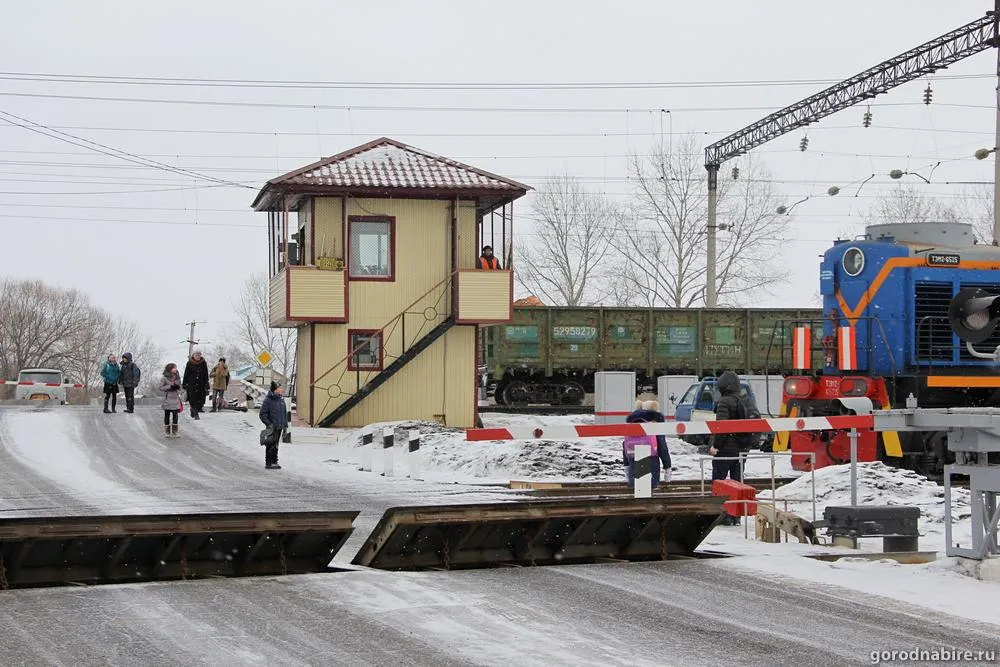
x=435, y=109
x=80, y=142
x=260, y=227
x=418, y=85
x=482, y=135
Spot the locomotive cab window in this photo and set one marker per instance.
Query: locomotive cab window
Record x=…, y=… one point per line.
x=853, y=261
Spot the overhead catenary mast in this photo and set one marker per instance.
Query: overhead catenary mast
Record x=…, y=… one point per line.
x=931, y=56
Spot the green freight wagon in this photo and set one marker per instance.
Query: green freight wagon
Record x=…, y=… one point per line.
x=549, y=355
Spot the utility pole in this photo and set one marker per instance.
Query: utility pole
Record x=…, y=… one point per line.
x=996, y=141
x=190, y=339
x=713, y=205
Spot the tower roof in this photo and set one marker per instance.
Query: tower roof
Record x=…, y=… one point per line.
x=388, y=167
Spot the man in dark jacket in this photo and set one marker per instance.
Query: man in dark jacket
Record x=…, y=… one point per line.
x=130, y=376
x=727, y=445
x=195, y=382
x=275, y=417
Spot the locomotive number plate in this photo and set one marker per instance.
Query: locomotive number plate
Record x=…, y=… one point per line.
x=943, y=259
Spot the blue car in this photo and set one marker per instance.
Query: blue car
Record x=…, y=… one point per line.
x=698, y=404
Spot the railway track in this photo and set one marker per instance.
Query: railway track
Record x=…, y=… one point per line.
x=538, y=409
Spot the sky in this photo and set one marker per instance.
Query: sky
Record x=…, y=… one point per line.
x=163, y=248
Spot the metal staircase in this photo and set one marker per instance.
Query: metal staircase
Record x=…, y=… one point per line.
x=408, y=355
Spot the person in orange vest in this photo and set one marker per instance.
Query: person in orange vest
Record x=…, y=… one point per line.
x=487, y=260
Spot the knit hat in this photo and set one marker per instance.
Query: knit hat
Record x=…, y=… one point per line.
x=274, y=386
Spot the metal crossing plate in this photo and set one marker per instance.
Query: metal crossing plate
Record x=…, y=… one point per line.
x=544, y=532
x=46, y=551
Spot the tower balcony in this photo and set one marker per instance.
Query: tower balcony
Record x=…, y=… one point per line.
x=304, y=294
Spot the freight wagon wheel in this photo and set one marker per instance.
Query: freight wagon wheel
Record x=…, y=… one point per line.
x=572, y=393
x=516, y=393
x=498, y=392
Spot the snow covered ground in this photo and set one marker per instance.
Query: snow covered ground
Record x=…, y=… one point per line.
x=80, y=456
x=446, y=457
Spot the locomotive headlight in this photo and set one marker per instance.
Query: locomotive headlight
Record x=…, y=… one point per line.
x=974, y=314
x=853, y=261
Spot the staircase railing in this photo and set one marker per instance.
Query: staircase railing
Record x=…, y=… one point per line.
x=401, y=333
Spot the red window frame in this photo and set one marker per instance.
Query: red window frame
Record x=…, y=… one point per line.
x=350, y=350
x=392, y=246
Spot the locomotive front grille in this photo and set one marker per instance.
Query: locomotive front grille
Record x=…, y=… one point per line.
x=932, y=330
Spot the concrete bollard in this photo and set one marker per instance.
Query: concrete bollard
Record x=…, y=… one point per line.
x=387, y=437
x=413, y=454
x=643, y=471
x=367, y=438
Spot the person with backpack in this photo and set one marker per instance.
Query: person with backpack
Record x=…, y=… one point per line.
x=646, y=412
x=726, y=447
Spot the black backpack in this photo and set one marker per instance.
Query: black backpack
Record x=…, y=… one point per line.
x=747, y=410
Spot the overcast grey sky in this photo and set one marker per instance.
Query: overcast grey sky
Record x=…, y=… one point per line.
x=60, y=224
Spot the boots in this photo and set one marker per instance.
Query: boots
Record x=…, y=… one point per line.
x=106, y=411
x=173, y=431
x=166, y=429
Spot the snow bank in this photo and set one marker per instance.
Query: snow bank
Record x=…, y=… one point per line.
x=879, y=484
x=447, y=456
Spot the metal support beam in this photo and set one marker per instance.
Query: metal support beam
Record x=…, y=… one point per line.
x=931, y=56
x=711, y=296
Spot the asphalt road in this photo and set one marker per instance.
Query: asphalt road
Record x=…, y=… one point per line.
x=700, y=612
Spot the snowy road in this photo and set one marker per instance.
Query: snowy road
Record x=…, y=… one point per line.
x=80, y=461
x=706, y=612
x=686, y=613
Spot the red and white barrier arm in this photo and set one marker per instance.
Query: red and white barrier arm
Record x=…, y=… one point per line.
x=570, y=432
x=42, y=384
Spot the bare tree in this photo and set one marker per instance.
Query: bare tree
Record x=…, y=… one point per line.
x=253, y=334
x=906, y=203
x=37, y=322
x=565, y=257
x=662, y=240
x=976, y=207
x=48, y=326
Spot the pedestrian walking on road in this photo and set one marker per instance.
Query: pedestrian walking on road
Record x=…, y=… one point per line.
x=275, y=417
x=130, y=380
x=170, y=385
x=110, y=373
x=196, y=382
x=220, y=383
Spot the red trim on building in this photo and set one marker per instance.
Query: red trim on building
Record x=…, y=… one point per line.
x=475, y=391
x=312, y=374
x=392, y=248
x=381, y=350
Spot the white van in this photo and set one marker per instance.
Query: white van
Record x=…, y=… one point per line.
x=40, y=384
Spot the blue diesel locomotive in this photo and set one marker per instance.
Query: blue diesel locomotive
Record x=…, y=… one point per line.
x=886, y=334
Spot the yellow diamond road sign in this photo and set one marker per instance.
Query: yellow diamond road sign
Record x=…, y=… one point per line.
x=264, y=358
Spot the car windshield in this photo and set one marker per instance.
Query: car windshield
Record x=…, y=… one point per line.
x=44, y=377
x=689, y=395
